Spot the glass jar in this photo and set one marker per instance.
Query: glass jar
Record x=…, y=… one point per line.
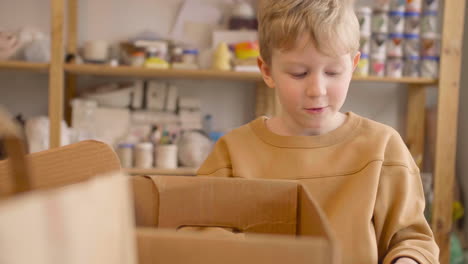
x=412, y=66
x=378, y=47
x=412, y=23
x=362, y=68
x=396, y=21
x=379, y=21
x=378, y=66
x=395, y=45
x=411, y=45
x=430, y=67
x=395, y=67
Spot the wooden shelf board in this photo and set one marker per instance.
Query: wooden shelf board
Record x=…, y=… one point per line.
x=128, y=71
x=24, y=66
x=157, y=171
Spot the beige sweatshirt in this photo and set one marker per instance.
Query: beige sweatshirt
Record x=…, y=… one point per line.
x=361, y=174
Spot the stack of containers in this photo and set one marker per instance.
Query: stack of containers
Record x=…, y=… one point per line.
x=379, y=37
x=430, y=41
x=395, y=40
x=364, y=16
x=412, y=38
x=403, y=37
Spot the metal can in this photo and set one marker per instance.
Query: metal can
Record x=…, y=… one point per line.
x=395, y=45
x=362, y=68
x=411, y=45
x=412, y=23
x=430, y=67
x=379, y=21
x=394, y=67
x=396, y=22
x=378, y=65
x=412, y=66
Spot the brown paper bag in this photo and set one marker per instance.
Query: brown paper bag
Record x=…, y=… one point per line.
x=88, y=222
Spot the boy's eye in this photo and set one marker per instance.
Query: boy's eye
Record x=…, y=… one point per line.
x=299, y=75
x=332, y=73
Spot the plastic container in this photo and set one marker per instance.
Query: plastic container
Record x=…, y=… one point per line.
x=377, y=66
x=431, y=5
x=413, y=5
x=362, y=68
x=125, y=153
x=430, y=67
x=395, y=45
x=364, y=15
x=379, y=21
x=378, y=47
x=144, y=155
x=430, y=44
x=395, y=67
x=364, y=44
x=166, y=156
x=190, y=56
x=429, y=22
x=411, y=45
x=412, y=66
x=412, y=23
x=398, y=5
x=383, y=5
x=396, y=21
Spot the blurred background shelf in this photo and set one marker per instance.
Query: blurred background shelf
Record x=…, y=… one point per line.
x=24, y=66
x=140, y=72
x=157, y=171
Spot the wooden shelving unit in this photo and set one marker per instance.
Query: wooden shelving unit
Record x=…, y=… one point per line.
x=24, y=66
x=141, y=72
x=158, y=171
x=448, y=84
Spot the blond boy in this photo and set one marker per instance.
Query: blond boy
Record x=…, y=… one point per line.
x=360, y=171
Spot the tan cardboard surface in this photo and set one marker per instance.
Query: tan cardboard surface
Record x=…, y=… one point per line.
x=247, y=206
x=190, y=203
x=160, y=246
x=65, y=165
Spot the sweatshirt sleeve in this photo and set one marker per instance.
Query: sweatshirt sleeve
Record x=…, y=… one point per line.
x=400, y=225
x=218, y=163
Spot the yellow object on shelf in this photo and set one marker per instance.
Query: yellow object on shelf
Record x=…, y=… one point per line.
x=156, y=63
x=222, y=58
x=247, y=50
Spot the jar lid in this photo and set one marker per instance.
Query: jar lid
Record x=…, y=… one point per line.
x=413, y=57
x=126, y=145
x=412, y=14
x=411, y=36
x=191, y=51
x=145, y=145
x=430, y=35
x=430, y=13
x=365, y=10
x=395, y=35
x=364, y=56
x=431, y=58
x=396, y=13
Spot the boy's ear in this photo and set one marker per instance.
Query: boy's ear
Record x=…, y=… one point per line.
x=356, y=59
x=266, y=72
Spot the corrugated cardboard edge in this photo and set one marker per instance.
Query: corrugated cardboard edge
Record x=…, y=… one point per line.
x=263, y=206
x=171, y=247
x=65, y=165
x=309, y=209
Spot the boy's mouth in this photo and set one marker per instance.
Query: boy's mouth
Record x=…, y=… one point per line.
x=315, y=110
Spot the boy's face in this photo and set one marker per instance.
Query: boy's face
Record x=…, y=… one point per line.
x=311, y=86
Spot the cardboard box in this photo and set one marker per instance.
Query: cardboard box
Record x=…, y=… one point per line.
x=280, y=221
x=63, y=166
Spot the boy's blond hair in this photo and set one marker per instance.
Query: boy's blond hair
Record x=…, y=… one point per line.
x=331, y=24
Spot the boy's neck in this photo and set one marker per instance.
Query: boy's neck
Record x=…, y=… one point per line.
x=284, y=126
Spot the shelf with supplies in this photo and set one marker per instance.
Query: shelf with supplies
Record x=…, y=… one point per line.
x=24, y=66
x=183, y=171
x=141, y=72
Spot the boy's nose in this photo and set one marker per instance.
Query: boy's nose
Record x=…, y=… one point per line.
x=315, y=87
